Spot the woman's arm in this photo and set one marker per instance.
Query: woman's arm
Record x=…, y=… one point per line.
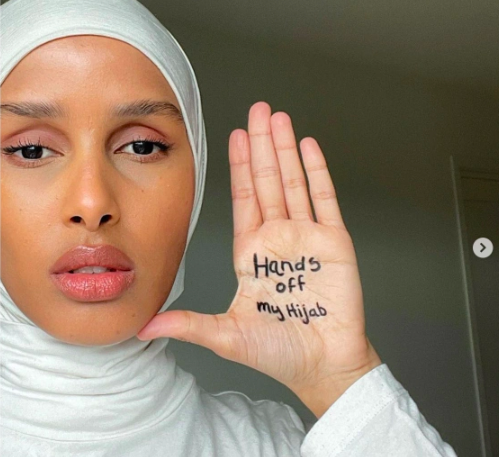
x=375, y=417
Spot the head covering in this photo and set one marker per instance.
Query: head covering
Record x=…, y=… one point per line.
x=62, y=391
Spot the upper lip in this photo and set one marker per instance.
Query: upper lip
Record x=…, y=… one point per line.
x=103, y=255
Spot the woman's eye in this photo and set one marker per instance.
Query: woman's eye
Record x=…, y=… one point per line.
x=145, y=148
x=29, y=151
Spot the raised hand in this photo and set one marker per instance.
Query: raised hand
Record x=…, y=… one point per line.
x=298, y=313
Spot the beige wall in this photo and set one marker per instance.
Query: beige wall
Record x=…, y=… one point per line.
x=387, y=139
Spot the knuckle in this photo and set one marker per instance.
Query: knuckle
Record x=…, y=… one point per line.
x=273, y=212
x=301, y=215
x=241, y=193
x=293, y=183
x=266, y=172
x=316, y=167
x=324, y=195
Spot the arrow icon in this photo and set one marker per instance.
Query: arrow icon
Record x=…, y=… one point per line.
x=483, y=248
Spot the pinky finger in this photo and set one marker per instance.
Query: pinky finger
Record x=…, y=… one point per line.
x=321, y=185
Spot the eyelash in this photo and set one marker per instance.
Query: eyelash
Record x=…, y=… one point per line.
x=31, y=163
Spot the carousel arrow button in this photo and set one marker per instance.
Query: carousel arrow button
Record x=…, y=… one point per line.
x=483, y=247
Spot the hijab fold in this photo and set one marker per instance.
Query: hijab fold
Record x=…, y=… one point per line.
x=60, y=391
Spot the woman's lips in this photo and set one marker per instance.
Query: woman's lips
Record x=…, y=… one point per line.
x=92, y=287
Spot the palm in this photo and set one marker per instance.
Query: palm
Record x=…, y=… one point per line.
x=293, y=348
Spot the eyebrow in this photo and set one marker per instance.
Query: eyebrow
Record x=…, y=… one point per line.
x=138, y=108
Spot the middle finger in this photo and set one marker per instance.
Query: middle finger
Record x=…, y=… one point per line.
x=264, y=164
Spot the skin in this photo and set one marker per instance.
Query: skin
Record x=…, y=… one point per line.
x=90, y=169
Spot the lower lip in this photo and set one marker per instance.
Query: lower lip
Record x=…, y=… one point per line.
x=89, y=287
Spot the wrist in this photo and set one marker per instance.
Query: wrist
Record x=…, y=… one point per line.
x=321, y=396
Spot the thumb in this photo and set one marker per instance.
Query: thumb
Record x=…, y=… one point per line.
x=202, y=329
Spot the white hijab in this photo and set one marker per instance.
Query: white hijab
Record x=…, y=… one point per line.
x=62, y=391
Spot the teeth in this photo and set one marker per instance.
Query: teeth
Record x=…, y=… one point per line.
x=91, y=270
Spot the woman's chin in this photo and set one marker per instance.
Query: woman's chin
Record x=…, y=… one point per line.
x=93, y=338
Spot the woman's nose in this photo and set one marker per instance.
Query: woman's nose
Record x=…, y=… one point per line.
x=90, y=194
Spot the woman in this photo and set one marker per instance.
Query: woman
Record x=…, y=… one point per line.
x=103, y=169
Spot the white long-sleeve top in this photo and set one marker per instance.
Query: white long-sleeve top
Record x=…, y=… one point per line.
x=374, y=417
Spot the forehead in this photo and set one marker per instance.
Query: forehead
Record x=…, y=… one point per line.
x=91, y=66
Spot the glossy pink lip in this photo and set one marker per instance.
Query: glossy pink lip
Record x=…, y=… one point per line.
x=92, y=287
x=103, y=255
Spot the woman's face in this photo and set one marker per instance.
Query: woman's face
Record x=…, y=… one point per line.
x=87, y=185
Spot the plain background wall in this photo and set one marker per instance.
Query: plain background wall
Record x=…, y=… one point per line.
x=387, y=140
